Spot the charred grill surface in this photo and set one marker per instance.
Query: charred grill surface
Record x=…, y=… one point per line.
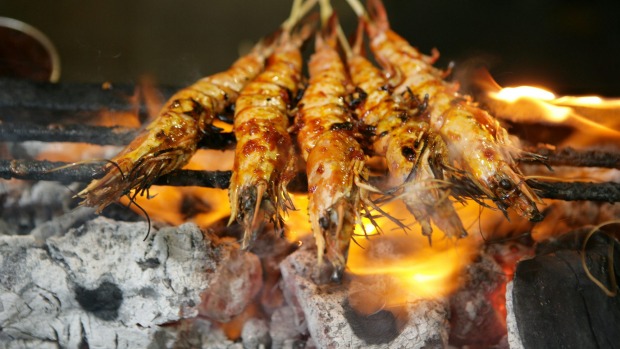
x=49, y=171
x=23, y=106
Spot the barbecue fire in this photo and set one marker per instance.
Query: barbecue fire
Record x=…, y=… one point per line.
x=439, y=147
x=378, y=190
x=594, y=119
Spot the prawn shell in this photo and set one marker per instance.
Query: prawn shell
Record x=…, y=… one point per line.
x=171, y=139
x=476, y=142
x=264, y=155
x=332, y=170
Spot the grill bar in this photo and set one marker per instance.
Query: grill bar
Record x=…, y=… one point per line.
x=67, y=173
x=26, y=108
x=45, y=170
x=575, y=158
x=100, y=135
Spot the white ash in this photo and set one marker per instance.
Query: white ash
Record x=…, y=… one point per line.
x=58, y=226
x=101, y=285
x=514, y=338
x=283, y=327
x=255, y=334
x=333, y=323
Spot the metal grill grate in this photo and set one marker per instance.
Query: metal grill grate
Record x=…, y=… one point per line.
x=26, y=109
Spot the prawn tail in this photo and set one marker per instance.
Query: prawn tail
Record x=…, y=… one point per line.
x=336, y=226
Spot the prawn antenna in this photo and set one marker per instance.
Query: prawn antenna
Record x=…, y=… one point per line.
x=146, y=215
x=613, y=291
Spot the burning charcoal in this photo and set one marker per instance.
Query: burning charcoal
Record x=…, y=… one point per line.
x=552, y=302
x=101, y=285
x=255, y=334
x=474, y=306
x=271, y=248
x=283, y=327
x=199, y=333
x=237, y=280
x=333, y=322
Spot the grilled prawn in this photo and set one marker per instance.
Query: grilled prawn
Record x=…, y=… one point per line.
x=264, y=158
x=170, y=140
x=476, y=142
x=335, y=161
x=413, y=151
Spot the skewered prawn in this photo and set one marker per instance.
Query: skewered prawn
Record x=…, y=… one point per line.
x=170, y=140
x=476, y=142
x=265, y=160
x=335, y=162
x=412, y=150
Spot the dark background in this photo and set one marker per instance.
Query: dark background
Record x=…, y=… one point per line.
x=568, y=46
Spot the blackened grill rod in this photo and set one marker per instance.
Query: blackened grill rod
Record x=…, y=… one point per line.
x=100, y=135
x=574, y=158
x=43, y=170
x=63, y=172
x=25, y=94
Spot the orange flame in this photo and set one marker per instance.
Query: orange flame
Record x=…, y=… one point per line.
x=407, y=261
x=593, y=118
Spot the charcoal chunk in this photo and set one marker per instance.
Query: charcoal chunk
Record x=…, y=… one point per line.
x=103, y=301
x=555, y=304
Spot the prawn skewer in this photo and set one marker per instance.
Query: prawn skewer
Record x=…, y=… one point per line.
x=335, y=161
x=413, y=151
x=476, y=142
x=265, y=160
x=171, y=139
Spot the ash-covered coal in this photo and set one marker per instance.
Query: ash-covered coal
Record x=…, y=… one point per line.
x=99, y=284
x=331, y=321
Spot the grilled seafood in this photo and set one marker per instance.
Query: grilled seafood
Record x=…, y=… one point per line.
x=170, y=140
x=413, y=151
x=335, y=161
x=476, y=142
x=265, y=159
